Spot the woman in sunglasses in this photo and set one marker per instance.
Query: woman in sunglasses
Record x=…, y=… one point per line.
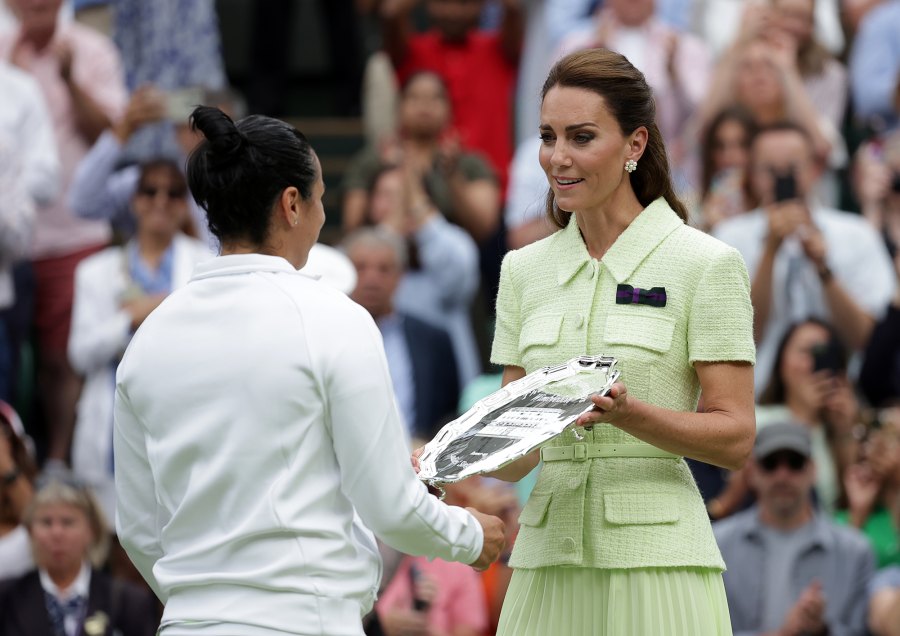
x=115, y=290
x=67, y=594
x=810, y=385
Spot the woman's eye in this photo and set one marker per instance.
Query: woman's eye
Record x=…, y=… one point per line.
x=583, y=138
x=546, y=138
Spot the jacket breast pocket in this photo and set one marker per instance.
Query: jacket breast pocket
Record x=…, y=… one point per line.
x=535, y=511
x=539, y=339
x=639, y=508
x=642, y=329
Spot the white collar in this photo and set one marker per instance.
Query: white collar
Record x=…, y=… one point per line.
x=80, y=586
x=235, y=264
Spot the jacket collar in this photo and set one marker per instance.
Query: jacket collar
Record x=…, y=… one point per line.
x=639, y=239
x=234, y=264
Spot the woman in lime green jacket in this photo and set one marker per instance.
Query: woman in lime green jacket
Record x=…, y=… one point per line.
x=615, y=538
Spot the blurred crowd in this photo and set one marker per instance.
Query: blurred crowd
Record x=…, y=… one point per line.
x=782, y=121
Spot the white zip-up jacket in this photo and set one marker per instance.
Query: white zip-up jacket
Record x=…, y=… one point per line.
x=254, y=419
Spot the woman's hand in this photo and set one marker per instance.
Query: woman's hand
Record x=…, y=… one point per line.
x=615, y=406
x=414, y=459
x=862, y=487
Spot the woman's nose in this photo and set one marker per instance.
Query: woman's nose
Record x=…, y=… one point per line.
x=560, y=156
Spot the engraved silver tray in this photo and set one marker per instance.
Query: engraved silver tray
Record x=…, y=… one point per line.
x=513, y=421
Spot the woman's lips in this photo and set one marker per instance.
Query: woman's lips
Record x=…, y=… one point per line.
x=564, y=183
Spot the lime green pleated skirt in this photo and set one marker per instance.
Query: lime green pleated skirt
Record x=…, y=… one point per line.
x=573, y=601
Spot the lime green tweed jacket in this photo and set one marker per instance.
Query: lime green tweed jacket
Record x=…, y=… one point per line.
x=556, y=302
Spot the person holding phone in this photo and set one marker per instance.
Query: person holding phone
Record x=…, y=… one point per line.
x=256, y=435
x=804, y=259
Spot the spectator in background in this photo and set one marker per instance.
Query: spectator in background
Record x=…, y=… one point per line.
x=103, y=188
x=420, y=355
x=69, y=593
x=804, y=260
x=460, y=183
x=873, y=486
x=790, y=570
x=433, y=597
x=80, y=75
x=115, y=290
x=144, y=33
x=884, y=603
x=875, y=67
x=724, y=154
x=877, y=181
x=17, y=473
x=17, y=216
x=478, y=67
x=30, y=176
x=763, y=78
x=25, y=122
x=809, y=385
x=440, y=282
x=719, y=22
x=824, y=77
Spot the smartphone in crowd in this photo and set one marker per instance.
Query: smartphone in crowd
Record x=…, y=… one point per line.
x=828, y=357
x=419, y=604
x=785, y=186
x=181, y=102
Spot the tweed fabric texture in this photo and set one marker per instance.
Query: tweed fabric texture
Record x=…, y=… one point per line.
x=556, y=302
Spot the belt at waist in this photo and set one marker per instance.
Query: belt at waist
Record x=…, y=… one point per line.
x=581, y=451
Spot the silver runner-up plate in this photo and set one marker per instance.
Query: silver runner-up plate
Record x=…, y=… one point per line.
x=515, y=420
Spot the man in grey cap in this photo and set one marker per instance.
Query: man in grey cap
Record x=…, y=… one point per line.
x=791, y=571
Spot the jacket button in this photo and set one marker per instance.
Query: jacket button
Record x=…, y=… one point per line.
x=574, y=483
x=568, y=544
x=579, y=321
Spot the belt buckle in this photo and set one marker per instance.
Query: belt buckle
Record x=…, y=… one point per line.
x=579, y=451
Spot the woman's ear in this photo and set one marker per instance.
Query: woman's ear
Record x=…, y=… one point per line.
x=637, y=143
x=289, y=206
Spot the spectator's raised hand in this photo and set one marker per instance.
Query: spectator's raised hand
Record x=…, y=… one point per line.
x=862, y=487
x=784, y=219
x=783, y=49
x=807, y=616
x=814, y=245
x=606, y=28
x=147, y=105
x=756, y=21
x=841, y=408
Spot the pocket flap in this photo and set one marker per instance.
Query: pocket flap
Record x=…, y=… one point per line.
x=640, y=329
x=541, y=330
x=639, y=508
x=535, y=510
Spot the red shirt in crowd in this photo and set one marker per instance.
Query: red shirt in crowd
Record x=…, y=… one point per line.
x=480, y=79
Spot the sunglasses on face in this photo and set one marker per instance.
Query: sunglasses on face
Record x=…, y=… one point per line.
x=151, y=192
x=794, y=461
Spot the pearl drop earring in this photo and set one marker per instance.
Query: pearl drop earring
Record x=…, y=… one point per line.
x=630, y=166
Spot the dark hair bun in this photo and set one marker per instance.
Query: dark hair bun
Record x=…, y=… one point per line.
x=225, y=141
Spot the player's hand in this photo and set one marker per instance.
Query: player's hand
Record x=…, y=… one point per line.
x=414, y=459
x=494, y=539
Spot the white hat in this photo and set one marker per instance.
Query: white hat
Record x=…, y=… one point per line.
x=331, y=266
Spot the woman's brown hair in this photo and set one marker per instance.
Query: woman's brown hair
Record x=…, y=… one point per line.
x=630, y=101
